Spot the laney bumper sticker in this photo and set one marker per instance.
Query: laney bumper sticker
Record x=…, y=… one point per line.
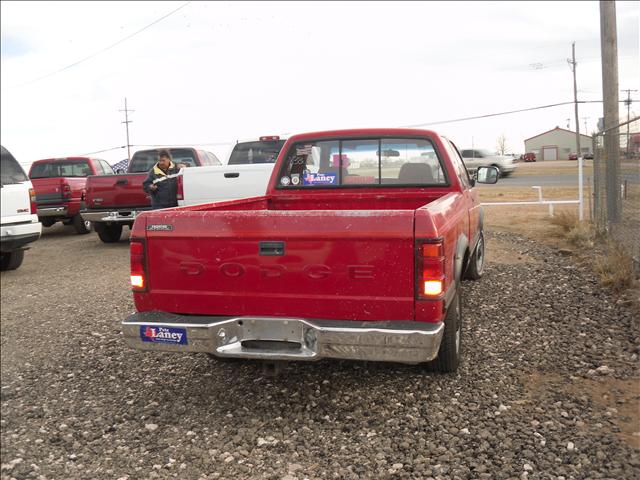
x=319, y=179
x=155, y=334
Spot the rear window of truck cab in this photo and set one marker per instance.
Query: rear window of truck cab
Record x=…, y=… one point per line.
x=61, y=168
x=264, y=151
x=369, y=162
x=143, y=161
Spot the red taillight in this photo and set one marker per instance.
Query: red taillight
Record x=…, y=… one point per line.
x=433, y=275
x=66, y=191
x=269, y=138
x=138, y=270
x=179, y=188
x=32, y=201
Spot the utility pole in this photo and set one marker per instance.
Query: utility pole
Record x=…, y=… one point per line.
x=585, y=124
x=628, y=102
x=127, y=122
x=609, y=53
x=573, y=65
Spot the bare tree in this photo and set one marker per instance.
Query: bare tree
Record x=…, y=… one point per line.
x=502, y=147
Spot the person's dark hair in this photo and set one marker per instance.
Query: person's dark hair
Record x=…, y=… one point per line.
x=164, y=153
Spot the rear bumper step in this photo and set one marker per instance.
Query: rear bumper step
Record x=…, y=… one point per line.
x=268, y=338
x=110, y=216
x=52, y=211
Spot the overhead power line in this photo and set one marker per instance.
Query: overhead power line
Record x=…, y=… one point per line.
x=487, y=115
x=102, y=151
x=101, y=51
x=441, y=122
x=221, y=143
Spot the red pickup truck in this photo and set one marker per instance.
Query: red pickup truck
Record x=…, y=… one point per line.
x=115, y=200
x=60, y=184
x=357, y=251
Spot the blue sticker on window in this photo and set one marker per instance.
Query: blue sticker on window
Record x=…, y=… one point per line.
x=320, y=179
x=155, y=334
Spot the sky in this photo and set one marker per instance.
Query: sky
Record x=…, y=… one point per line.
x=209, y=74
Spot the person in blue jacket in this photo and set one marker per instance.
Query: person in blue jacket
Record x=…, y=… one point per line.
x=161, y=183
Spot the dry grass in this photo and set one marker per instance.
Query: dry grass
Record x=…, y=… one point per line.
x=562, y=231
x=565, y=220
x=615, y=268
x=579, y=234
x=553, y=168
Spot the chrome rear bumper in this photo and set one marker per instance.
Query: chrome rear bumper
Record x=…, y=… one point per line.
x=115, y=216
x=267, y=338
x=52, y=211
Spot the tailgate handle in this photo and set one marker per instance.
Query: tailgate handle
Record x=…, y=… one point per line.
x=124, y=181
x=272, y=248
x=232, y=175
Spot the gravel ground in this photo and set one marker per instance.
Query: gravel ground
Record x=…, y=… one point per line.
x=548, y=387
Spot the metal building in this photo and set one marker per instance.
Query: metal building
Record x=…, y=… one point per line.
x=557, y=144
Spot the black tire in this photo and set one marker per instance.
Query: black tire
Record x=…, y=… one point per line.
x=11, y=260
x=108, y=233
x=475, y=267
x=448, y=357
x=47, y=221
x=80, y=225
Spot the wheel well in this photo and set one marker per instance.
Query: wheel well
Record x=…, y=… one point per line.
x=465, y=262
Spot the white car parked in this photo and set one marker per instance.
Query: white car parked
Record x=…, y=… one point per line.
x=19, y=225
x=478, y=157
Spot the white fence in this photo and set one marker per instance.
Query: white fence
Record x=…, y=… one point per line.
x=551, y=203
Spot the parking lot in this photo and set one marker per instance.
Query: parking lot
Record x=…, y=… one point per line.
x=548, y=387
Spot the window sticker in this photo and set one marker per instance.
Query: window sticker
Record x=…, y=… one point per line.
x=285, y=181
x=295, y=179
x=320, y=179
x=304, y=149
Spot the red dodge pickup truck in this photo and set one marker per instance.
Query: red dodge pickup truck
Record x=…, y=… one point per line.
x=357, y=251
x=60, y=186
x=114, y=201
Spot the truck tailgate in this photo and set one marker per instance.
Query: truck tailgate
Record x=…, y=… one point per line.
x=48, y=190
x=225, y=182
x=325, y=264
x=116, y=191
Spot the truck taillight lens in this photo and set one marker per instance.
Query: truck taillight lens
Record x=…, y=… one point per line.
x=179, y=188
x=32, y=201
x=138, y=267
x=432, y=269
x=66, y=191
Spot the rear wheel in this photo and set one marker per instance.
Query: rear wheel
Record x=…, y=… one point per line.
x=448, y=357
x=108, y=233
x=80, y=225
x=11, y=260
x=475, y=268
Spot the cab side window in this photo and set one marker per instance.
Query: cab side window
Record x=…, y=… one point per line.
x=458, y=165
x=106, y=168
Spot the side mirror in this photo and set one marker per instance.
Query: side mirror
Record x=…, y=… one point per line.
x=487, y=175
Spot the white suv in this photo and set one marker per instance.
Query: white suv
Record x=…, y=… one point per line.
x=19, y=225
x=478, y=157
